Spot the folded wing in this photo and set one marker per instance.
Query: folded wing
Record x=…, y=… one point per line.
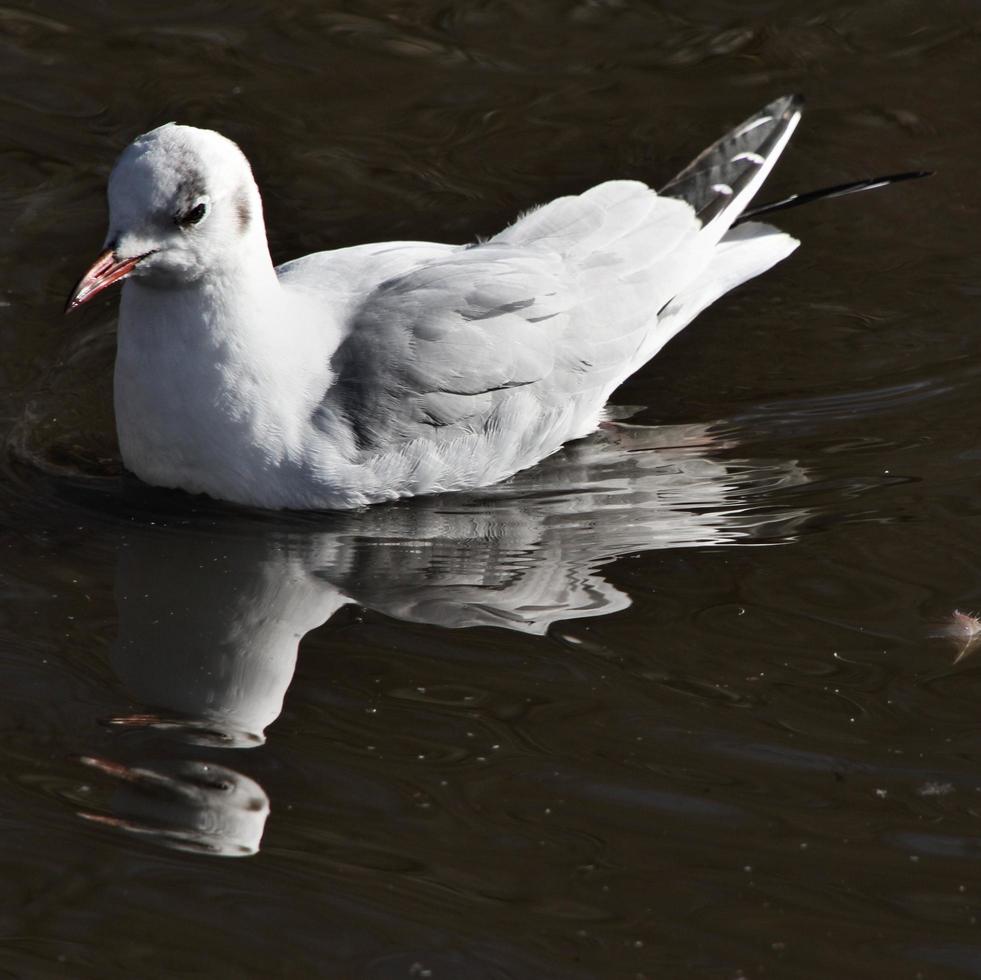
x=539, y=324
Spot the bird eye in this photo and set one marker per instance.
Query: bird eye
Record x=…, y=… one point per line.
x=191, y=217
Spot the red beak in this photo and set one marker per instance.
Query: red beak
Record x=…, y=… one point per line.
x=106, y=270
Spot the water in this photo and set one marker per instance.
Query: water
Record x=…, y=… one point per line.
x=677, y=703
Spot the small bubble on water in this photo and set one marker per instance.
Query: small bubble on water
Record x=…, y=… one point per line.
x=935, y=789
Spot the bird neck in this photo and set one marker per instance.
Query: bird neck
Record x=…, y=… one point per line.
x=229, y=302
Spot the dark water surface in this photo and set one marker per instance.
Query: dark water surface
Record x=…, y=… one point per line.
x=671, y=704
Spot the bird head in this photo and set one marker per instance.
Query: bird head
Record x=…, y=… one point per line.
x=183, y=205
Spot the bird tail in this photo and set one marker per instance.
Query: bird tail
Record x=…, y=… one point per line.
x=743, y=253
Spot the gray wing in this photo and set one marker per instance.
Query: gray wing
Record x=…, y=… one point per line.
x=557, y=310
x=549, y=315
x=441, y=345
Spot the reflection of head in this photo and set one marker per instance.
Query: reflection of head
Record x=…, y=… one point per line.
x=186, y=806
x=210, y=619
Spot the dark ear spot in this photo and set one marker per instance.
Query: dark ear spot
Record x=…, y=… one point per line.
x=243, y=209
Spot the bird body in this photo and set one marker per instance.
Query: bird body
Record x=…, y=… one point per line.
x=375, y=372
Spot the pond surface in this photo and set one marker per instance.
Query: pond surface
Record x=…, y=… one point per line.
x=690, y=699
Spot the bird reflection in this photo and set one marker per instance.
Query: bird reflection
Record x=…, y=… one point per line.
x=186, y=806
x=210, y=618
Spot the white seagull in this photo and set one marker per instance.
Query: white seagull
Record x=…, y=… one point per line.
x=381, y=371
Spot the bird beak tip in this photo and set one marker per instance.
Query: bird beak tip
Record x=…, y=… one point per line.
x=106, y=270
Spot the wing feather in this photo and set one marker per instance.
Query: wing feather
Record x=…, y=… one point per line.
x=529, y=332
x=555, y=307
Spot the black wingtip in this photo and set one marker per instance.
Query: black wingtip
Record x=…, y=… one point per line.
x=717, y=177
x=782, y=107
x=838, y=190
x=896, y=178
x=792, y=101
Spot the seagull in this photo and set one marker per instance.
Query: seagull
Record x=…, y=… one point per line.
x=376, y=372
